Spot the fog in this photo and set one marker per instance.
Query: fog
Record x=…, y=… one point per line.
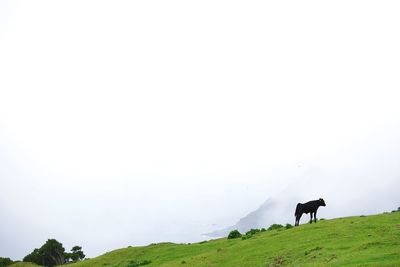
x=130, y=123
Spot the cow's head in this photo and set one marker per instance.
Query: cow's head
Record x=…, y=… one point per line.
x=322, y=202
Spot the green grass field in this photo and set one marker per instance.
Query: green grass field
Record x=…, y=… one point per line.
x=351, y=241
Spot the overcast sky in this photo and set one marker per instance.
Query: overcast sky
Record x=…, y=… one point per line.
x=131, y=122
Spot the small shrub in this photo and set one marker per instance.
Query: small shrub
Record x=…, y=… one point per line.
x=263, y=230
x=252, y=231
x=288, y=226
x=244, y=237
x=183, y=262
x=202, y=242
x=234, y=234
x=275, y=227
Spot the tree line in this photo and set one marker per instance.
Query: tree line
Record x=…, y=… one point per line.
x=52, y=253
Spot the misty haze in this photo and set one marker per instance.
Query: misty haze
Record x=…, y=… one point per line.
x=129, y=123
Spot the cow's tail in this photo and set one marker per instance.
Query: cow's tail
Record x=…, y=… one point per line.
x=297, y=209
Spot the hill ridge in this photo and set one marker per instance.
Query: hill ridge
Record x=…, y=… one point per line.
x=372, y=240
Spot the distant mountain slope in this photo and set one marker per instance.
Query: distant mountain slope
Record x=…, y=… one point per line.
x=270, y=212
x=351, y=241
x=280, y=209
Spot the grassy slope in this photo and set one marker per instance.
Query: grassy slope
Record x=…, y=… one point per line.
x=367, y=241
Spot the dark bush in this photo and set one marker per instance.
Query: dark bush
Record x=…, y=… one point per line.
x=288, y=226
x=244, y=237
x=234, y=234
x=275, y=227
x=5, y=262
x=253, y=231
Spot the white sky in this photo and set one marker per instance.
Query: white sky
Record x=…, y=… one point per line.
x=130, y=122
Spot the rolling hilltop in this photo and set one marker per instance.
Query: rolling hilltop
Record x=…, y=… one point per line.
x=351, y=241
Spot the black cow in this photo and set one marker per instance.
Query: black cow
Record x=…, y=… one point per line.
x=309, y=207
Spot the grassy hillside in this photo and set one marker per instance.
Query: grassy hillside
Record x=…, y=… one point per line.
x=352, y=241
x=24, y=264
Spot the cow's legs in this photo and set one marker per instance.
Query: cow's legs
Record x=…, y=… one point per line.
x=297, y=220
x=311, y=217
x=315, y=216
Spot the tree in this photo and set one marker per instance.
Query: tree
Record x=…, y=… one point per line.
x=53, y=253
x=33, y=257
x=234, y=234
x=5, y=261
x=77, y=254
x=50, y=254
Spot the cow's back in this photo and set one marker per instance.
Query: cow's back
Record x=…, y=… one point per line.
x=310, y=206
